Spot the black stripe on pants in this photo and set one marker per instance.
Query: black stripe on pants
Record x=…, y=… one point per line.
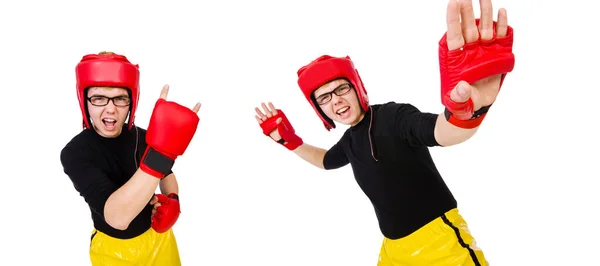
x=461, y=241
x=92, y=238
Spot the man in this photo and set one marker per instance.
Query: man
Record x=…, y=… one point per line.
x=116, y=167
x=387, y=144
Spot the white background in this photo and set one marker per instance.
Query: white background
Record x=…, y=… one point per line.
x=526, y=183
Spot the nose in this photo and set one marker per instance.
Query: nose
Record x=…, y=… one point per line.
x=335, y=99
x=110, y=107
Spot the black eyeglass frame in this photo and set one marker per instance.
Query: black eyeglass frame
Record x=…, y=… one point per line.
x=109, y=99
x=338, y=91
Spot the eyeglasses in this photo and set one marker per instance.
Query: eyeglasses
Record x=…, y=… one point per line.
x=120, y=101
x=339, y=91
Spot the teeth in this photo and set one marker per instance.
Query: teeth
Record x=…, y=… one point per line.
x=342, y=110
x=110, y=120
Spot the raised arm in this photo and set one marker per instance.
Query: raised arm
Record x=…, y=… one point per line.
x=275, y=124
x=474, y=56
x=423, y=128
x=311, y=154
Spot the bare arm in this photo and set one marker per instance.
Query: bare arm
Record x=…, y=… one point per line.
x=313, y=155
x=128, y=201
x=423, y=128
x=462, y=29
x=447, y=134
x=118, y=206
x=169, y=185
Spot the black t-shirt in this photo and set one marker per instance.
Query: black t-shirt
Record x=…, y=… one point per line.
x=98, y=166
x=394, y=168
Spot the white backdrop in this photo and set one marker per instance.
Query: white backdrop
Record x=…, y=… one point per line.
x=525, y=183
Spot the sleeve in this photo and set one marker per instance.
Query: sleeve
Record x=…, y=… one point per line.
x=416, y=127
x=91, y=183
x=335, y=157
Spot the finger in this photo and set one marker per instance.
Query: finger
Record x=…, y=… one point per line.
x=502, y=24
x=164, y=92
x=267, y=111
x=259, y=113
x=461, y=93
x=278, y=120
x=258, y=119
x=273, y=109
x=486, y=23
x=454, y=33
x=467, y=17
x=196, y=107
x=153, y=200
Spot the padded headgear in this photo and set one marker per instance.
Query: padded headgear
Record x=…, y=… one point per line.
x=325, y=69
x=107, y=70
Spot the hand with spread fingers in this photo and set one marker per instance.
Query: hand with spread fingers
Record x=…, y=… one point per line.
x=387, y=144
x=475, y=55
x=275, y=124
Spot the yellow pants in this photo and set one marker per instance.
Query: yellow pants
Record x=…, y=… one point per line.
x=149, y=248
x=445, y=241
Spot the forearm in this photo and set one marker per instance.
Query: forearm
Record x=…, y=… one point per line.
x=129, y=200
x=313, y=155
x=169, y=185
x=447, y=134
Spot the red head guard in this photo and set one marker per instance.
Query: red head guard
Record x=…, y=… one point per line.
x=325, y=69
x=107, y=70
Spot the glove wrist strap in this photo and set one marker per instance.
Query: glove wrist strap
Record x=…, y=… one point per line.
x=473, y=122
x=291, y=144
x=156, y=163
x=173, y=196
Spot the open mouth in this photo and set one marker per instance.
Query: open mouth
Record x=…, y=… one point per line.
x=109, y=123
x=343, y=111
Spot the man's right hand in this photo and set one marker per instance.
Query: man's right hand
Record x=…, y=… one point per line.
x=275, y=124
x=170, y=131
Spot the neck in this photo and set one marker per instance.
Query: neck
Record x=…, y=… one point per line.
x=360, y=118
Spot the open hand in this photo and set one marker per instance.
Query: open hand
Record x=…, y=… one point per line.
x=269, y=111
x=462, y=29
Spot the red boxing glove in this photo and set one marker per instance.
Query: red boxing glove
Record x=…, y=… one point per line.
x=169, y=133
x=289, y=139
x=167, y=213
x=473, y=62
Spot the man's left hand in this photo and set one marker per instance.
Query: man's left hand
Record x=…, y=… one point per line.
x=478, y=55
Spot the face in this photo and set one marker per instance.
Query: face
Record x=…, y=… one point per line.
x=108, y=108
x=339, y=101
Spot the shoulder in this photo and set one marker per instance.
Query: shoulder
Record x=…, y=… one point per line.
x=393, y=109
x=395, y=106
x=140, y=136
x=84, y=137
x=344, y=140
x=141, y=132
x=77, y=144
x=139, y=129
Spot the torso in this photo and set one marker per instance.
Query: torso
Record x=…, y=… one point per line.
x=399, y=178
x=98, y=166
